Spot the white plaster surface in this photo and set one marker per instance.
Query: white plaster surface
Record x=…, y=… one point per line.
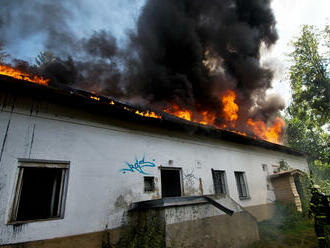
x=98, y=148
x=194, y=212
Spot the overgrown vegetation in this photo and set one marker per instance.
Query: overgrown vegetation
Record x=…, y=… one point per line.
x=145, y=230
x=288, y=228
x=308, y=115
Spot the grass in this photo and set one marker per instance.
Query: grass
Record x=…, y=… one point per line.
x=302, y=235
x=287, y=229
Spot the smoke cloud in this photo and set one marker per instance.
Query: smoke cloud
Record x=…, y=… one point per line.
x=186, y=52
x=189, y=51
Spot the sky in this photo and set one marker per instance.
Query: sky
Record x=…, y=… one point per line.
x=290, y=16
x=119, y=16
x=86, y=17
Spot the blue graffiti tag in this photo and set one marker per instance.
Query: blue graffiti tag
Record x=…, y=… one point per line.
x=138, y=166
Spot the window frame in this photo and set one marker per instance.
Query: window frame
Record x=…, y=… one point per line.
x=239, y=184
x=224, y=184
x=37, y=163
x=145, y=179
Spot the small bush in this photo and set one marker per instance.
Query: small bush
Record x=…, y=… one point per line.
x=144, y=231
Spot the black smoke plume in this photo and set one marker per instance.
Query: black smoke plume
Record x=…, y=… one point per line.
x=186, y=52
x=190, y=51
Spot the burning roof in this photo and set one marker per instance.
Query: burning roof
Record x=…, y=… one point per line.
x=198, y=60
x=18, y=74
x=125, y=111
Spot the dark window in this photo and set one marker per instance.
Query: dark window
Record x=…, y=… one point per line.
x=241, y=185
x=149, y=184
x=264, y=167
x=219, y=182
x=171, y=182
x=40, y=193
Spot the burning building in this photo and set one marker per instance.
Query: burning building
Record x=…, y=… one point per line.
x=178, y=123
x=75, y=166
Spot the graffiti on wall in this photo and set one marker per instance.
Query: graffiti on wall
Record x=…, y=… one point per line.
x=189, y=177
x=138, y=166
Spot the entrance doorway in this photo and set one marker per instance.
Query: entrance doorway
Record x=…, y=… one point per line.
x=171, y=182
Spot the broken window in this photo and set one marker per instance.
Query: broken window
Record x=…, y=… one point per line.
x=149, y=184
x=219, y=181
x=241, y=185
x=171, y=182
x=40, y=190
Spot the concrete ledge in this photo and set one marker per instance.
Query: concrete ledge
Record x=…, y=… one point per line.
x=222, y=202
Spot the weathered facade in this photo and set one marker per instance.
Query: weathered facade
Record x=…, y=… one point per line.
x=87, y=163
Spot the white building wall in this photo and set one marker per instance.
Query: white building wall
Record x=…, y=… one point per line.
x=98, y=148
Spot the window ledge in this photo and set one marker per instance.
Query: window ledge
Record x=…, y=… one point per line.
x=19, y=222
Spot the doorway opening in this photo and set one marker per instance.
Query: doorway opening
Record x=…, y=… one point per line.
x=171, y=182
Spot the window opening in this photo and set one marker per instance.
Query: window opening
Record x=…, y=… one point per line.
x=241, y=185
x=149, y=184
x=219, y=181
x=39, y=192
x=264, y=167
x=171, y=182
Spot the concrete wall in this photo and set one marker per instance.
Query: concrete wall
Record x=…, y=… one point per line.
x=98, y=148
x=223, y=231
x=86, y=240
x=204, y=225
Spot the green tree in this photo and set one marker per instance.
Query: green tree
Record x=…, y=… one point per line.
x=3, y=54
x=309, y=112
x=44, y=58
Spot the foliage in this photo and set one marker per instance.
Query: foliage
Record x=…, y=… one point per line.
x=321, y=175
x=146, y=230
x=44, y=58
x=287, y=228
x=284, y=166
x=3, y=54
x=309, y=113
x=305, y=196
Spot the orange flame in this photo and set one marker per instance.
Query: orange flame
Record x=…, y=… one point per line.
x=272, y=133
x=95, y=98
x=148, y=114
x=230, y=108
x=208, y=118
x=230, y=114
x=178, y=112
x=15, y=73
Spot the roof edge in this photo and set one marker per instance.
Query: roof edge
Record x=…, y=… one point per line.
x=127, y=111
